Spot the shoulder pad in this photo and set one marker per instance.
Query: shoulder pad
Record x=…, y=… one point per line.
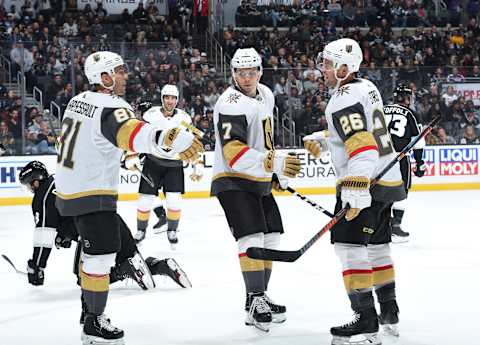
x=231, y=102
x=152, y=114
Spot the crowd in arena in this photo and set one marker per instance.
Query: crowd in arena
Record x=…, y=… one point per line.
x=51, y=46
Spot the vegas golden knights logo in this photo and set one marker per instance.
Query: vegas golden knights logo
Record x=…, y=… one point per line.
x=96, y=58
x=348, y=48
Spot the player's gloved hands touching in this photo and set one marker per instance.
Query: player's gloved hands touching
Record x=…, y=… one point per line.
x=197, y=173
x=35, y=273
x=130, y=161
x=144, y=106
x=316, y=143
x=187, y=145
x=279, y=183
x=420, y=168
x=62, y=242
x=356, y=193
x=282, y=164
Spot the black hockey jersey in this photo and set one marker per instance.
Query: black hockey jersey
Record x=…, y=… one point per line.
x=402, y=125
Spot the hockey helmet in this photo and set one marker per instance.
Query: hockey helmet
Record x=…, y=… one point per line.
x=402, y=93
x=101, y=62
x=246, y=58
x=343, y=51
x=33, y=171
x=169, y=90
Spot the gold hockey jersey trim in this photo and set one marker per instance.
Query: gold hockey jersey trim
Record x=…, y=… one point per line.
x=86, y=193
x=125, y=133
x=244, y=176
x=359, y=142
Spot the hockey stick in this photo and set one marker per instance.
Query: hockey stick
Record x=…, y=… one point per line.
x=311, y=202
x=293, y=255
x=145, y=177
x=11, y=264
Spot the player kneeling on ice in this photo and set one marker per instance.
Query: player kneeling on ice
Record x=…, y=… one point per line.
x=97, y=127
x=360, y=148
x=245, y=163
x=53, y=229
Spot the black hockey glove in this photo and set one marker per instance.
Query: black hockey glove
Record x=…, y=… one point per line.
x=420, y=168
x=35, y=274
x=144, y=106
x=62, y=242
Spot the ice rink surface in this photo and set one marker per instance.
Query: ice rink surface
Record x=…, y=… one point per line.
x=438, y=278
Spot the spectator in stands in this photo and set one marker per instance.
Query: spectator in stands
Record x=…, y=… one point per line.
x=70, y=28
x=449, y=96
x=469, y=137
x=54, y=89
x=444, y=138
x=6, y=139
x=140, y=15
x=455, y=76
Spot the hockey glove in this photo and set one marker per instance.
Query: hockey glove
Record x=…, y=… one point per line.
x=144, y=106
x=316, y=143
x=187, y=145
x=420, y=168
x=62, y=242
x=356, y=193
x=197, y=173
x=130, y=161
x=282, y=164
x=279, y=183
x=35, y=273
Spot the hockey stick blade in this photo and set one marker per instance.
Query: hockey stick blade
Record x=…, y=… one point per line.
x=11, y=264
x=272, y=254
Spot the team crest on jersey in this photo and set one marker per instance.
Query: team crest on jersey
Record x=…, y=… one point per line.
x=233, y=98
x=343, y=90
x=374, y=96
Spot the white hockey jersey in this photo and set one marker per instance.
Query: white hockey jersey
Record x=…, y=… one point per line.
x=359, y=141
x=96, y=129
x=155, y=117
x=243, y=135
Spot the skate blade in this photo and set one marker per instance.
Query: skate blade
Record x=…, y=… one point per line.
x=182, y=276
x=279, y=318
x=399, y=239
x=361, y=339
x=391, y=329
x=173, y=246
x=92, y=340
x=263, y=326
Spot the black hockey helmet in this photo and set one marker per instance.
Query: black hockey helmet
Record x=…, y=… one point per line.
x=34, y=170
x=401, y=93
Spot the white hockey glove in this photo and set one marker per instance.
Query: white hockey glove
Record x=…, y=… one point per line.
x=356, y=193
x=187, y=145
x=197, y=173
x=131, y=161
x=279, y=183
x=316, y=143
x=282, y=164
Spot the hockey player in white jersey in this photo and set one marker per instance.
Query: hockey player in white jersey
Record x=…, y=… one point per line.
x=360, y=147
x=165, y=170
x=403, y=128
x=97, y=128
x=245, y=163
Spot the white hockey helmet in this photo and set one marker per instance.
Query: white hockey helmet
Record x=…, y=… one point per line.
x=101, y=62
x=246, y=58
x=343, y=51
x=169, y=90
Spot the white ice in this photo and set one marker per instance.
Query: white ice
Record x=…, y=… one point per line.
x=438, y=278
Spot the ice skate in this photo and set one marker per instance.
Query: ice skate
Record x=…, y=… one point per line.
x=172, y=238
x=398, y=235
x=362, y=330
x=140, y=236
x=259, y=315
x=170, y=268
x=136, y=269
x=98, y=330
x=278, y=311
x=162, y=219
x=388, y=318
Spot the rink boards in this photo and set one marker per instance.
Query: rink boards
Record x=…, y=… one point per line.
x=448, y=168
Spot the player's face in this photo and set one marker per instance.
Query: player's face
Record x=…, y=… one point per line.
x=329, y=73
x=169, y=102
x=121, y=77
x=247, y=79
